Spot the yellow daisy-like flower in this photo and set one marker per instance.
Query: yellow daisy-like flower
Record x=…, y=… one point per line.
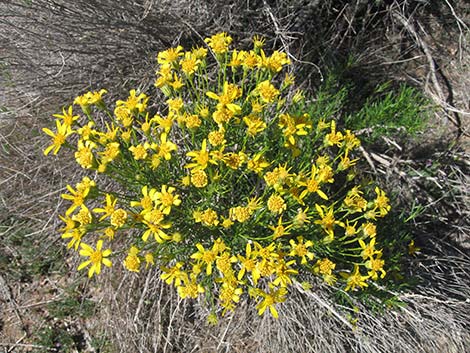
x=140, y=151
x=166, y=199
x=75, y=236
x=166, y=147
x=270, y=299
x=76, y=196
x=154, y=221
x=216, y=138
x=118, y=218
x=134, y=101
x=67, y=116
x=200, y=158
x=170, y=55
x=190, y=288
x=300, y=249
x=132, y=261
x=96, y=258
x=173, y=274
x=108, y=209
x=198, y=178
x=267, y=92
x=207, y=257
x=276, y=204
x=58, y=138
x=189, y=64
x=219, y=42
x=376, y=265
x=355, y=279
x=84, y=155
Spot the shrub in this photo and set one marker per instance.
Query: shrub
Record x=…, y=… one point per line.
x=228, y=184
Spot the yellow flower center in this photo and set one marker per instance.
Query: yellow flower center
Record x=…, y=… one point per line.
x=118, y=218
x=96, y=257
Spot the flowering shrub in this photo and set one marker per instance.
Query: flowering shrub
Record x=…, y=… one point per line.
x=230, y=186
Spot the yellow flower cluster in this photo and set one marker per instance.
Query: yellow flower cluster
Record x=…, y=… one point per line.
x=232, y=188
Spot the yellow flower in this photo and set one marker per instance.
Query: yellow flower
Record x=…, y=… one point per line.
x=369, y=229
x=140, y=151
x=234, y=160
x=67, y=116
x=170, y=55
x=355, y=279
x=164, y=123
x=96, y=258
x=190, y=288
x=275, y=62
x=198, y=178
x=192, y=121
x=354, y=201
x=84, y=155
x=229, y=295
x=300, y=249
x=147, y=201
x=166, y=147
x=173, y=274
x=200, y=158
x=294, y=126
x=237, y=58
x=284, y=273
x=271, y=298
x=247, y=262
x=166, y=199
x=312, y=184
x=58, y=138
x=209, y=217
x=118, y=218
x=76, y=196
x=258, y=41
x=334, y=137
x=108, y=208
x=376, y=265
x=217, y=138
x=219, y=42
x=239, y=214
x=324, y=266
x=83, y=216
x=368, y=251
x=132, y=261
x=267, y=92
x=276, y=204
x=279, y=229
x=76, y=235
x=301, y=218
x=350, y=141
x=224, y=263
x=123, y=115
x=207, y=257
x=110, y=153
x=257, y=163
x=254, y=124
x=149, y=259
x=86, y=131
x=381, y=202
x=134, y=101
x=189, y=64
x=153, y=220
x=251, y=60
x=327, y=220
x=350, y=229
x=199, y=52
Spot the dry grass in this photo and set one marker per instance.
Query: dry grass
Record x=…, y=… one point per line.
x=53, y=50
